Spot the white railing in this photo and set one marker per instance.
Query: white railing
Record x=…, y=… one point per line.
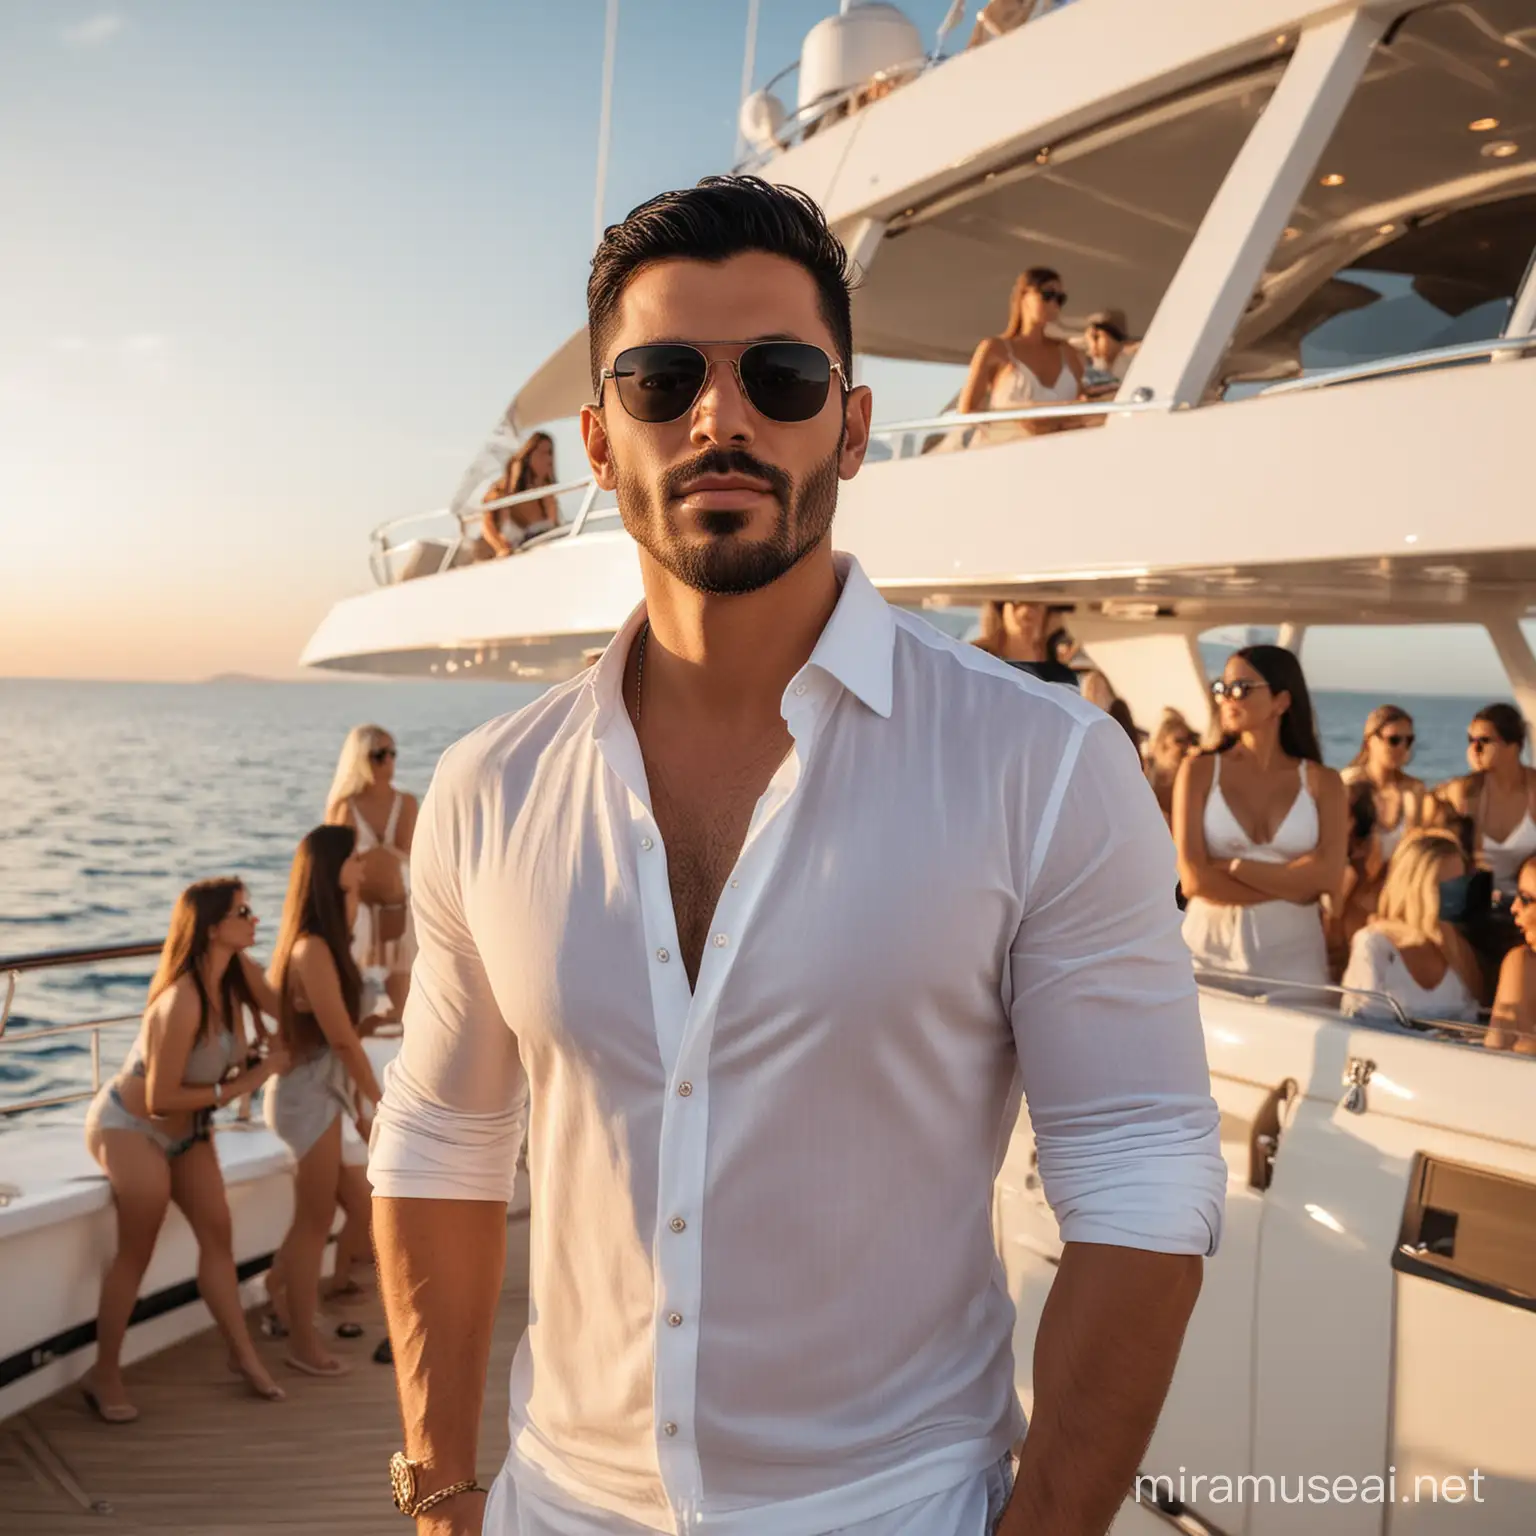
x=1405, y=362
x=426, y=543
x=902, y=432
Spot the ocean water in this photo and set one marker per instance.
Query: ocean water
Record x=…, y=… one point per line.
x=113, y=796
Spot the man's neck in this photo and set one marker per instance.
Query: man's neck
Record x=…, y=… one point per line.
x=732, y=657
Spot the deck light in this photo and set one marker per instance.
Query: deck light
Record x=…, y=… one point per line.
x=1501, y=149
x=1385, y=229
x=1332, y=179
x=1482, y=124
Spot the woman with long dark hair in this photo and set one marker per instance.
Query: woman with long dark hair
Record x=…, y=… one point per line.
x=1261, y=827
x=503, y=530
x=1499, y=794
x=318, y=991
x=1513, y=1025
x=149, y=1127
x=1026, y=365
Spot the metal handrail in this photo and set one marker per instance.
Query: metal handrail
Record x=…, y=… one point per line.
x=16, y=966
x=464, y=519
x=1406, y=362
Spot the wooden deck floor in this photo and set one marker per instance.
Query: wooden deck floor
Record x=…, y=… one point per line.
x=207, y=1459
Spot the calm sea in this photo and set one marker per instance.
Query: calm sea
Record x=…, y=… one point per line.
x=113, y=796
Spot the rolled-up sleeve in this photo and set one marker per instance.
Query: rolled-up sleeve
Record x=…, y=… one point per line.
x=1106, y=1015
x=455, y=1098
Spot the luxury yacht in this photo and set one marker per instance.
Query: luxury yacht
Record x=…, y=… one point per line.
x=1319, y=219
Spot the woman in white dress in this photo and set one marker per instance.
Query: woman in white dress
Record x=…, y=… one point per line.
x=1260, y=826
x=1026, y=365
x=1513, y=1027
x=1407, y=952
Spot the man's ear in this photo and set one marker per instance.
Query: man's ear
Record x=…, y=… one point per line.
x=594, y=438
x=856, y=416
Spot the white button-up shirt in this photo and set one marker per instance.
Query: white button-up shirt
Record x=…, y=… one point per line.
x=765, y=1294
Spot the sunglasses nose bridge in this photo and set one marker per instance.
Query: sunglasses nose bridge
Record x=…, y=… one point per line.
x=721, y=411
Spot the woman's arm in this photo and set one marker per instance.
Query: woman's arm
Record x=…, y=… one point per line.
x=1074, y=361
x=1322, y=870
x=322, y=987
x=406, y=829
x=168, y=1042
x=1513, y=1025
x=490, y=529
x=985, y=361
x=266, y=999
x=341, y=815
x=1198, y=876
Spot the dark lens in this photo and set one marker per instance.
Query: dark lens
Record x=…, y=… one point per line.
x=242, y=911
x=659, y=382
x=786, y=380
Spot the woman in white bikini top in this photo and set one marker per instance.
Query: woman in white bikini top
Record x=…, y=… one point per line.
x=1499, y=794
x=1026, y=365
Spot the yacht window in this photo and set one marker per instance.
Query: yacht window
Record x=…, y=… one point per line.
x=1418, y=223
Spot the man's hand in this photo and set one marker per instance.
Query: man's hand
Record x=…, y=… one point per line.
x=462, y=1515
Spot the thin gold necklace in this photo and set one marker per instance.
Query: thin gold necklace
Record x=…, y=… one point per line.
x=645, y=630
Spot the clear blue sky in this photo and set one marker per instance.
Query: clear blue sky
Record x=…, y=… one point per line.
x=271, y=271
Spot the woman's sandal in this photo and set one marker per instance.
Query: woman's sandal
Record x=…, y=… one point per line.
x=335, y=1368
x=109, y=1413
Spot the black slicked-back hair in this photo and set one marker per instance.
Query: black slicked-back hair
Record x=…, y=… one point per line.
x=721, y=217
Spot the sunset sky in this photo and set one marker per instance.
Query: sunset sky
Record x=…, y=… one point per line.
x=272, y=270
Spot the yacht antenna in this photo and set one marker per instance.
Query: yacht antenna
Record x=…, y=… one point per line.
x=748, y=69
x=605, y=119
x=952, y=19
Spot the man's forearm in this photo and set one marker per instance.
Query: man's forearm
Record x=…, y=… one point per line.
x=1108, y=1341
x=440, y=1268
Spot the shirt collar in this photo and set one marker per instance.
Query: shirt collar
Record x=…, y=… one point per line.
x=857, y=648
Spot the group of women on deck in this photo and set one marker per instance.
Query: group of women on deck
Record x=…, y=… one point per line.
x=1411, y=899
x=204, y=1043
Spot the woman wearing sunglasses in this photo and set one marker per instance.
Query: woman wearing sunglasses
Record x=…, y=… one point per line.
x=1026, y=365
x=1499, y=794
x=363, y=796
x=1261, y=827
x=1513, y=1027
x=1408, y=951
x=149, y=1127
x=506, y=530
x=319, y=991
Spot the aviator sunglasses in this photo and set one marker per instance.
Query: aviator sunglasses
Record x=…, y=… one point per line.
x=785, y=381
x=381, y=754
x=1237, y=691
x=243, y=913
x=1480, y=743
x=1397, y=738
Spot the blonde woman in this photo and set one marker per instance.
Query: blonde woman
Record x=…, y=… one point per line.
x=1399, y=799
x=1406, y=951
x=503, y=530
x=363, y=796
x=1172, y=741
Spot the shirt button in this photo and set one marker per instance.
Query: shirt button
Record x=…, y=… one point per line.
x=647, y=844
x=799, y=690
x=677, y=1224
x=669, y=1428
x=663, y=956
x=721, y=940
x=684, y=1089
x=735, y=884
x=674, y=1319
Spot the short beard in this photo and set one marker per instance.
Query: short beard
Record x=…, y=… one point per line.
x=729, y=565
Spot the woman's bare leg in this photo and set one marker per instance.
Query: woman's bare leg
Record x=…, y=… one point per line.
x=141, y=1190
x=354, y=1245
x=316, y=1186
x=197, y=1186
